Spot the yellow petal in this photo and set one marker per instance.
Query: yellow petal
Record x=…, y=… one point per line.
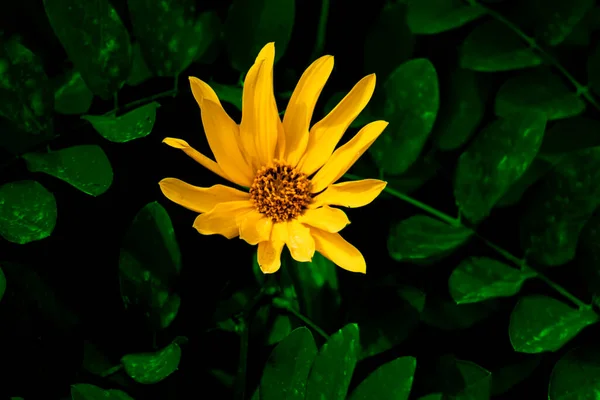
x=350, y=194
x=339, y=251
x=269, y=256
x=345, y=156
x=269, y=252
x=199, y=199
x=260, y=118
x=326, y=134
x=196, y=156
x=325, y=218
x=222, y=219
x=222, y=134
x=300, y=242
x=299, y=112
x=255, y=227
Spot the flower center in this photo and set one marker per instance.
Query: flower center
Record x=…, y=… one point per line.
x=280, y=192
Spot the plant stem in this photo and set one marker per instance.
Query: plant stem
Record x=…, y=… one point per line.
x=305, y=320
x=582, y=90
x=456, y=222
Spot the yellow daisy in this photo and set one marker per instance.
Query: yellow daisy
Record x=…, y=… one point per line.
x=290, y=170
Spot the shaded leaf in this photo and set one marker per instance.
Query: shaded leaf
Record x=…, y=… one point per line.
x=494, y=160
x=492, y=47
x=282, y=327
x=539, y=90
x=418, y=174
x=26, y=98
x=593, y=69
x=563, y=201
x=86, y=391
x=286, y=373
x=228, y=93
x=149, y=368
x=421, y=237
x=72, y=96
x=588, y=255
x=446, y=315
x=85, y=167
x=581, y=34
x=553, y=20
x=135, y=124
x=429, y=17
x=507, y=376
x=334, y=365
x=576, y=375
x=461, y=111
x=540, y=323
x=480, y=278
x=411, y=99
x=391, y=381
x=139, y=72
x=571, y=134
x=251, y=24
x=536, y=170
x=390, y=30
x=2, y=283
x=169, y=33
x=95, y=40
x=149, y=264
x=465, y=380
x=27, y=212
x=432, y=396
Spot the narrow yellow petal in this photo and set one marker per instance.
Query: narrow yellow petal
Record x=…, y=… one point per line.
x=296, y=121
x=325, y=218
x=223, y=219
x=255, y=227
x=345, y=156
x=269, y=256
x=222, y=134
x=300, y=242
x=199, y=199
x=196, y=156
x=350, y=194
x=335, y=248
x=260, y=119
x=325, y=134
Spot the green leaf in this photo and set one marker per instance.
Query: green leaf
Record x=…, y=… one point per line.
x=492, y=47
x=228, y=93
x=281, y=328
x=553, y=20
x=389, y=31
x=135, y=124
x=418, y=174
x=536, y=170
x=495, y=160
x=85, y=167
x=446, y=315
x=169, y=34
x=576, y=375
x=2, y=283
x=571, y=134
x=95, y=40
x=149, y=265
x=27, y=212
x=465, y=380
x=149, y=368
x=558, y=209
x=286, y=373
x=26, y=98
x=540, y=323
x=593, y=69
x=86, y=391
x=538, y=90
x=480, y=278
x=421, y=237
x=506, y=377
x=411, y=99
x=391, y=381
x=334, y=365
x=139, y=72
x=432, y=396
x=72, y=96
x=461, y=111
x=429, y=17
x=251, y=24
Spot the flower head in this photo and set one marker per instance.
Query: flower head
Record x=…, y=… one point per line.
x=289, y=167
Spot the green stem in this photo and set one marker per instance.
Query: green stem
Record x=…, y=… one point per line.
x=305, y=320
x=111, y=371
x=582, y=90
x=321, y=30
x=456, y=222
x=133, y=104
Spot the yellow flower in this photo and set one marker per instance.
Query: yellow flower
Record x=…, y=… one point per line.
x=290, y=170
